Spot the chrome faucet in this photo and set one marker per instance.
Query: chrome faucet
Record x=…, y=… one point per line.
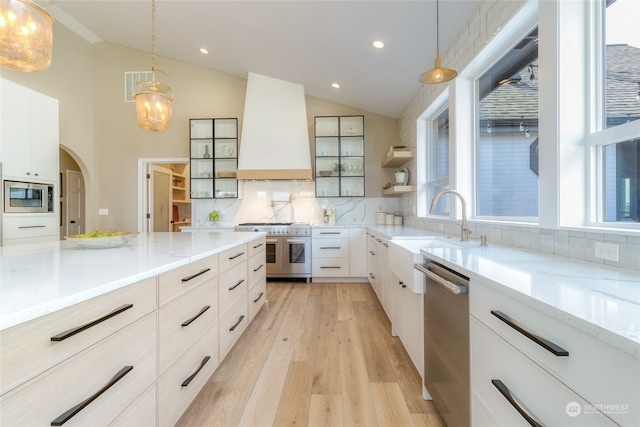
x=464, y=228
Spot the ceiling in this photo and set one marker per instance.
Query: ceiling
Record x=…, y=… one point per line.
x=314, y=43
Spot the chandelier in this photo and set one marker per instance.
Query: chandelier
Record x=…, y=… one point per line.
x=26, y=36
x=153, y=98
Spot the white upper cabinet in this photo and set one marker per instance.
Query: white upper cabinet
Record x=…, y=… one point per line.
x=29, y=133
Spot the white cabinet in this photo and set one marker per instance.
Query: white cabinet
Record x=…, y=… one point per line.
x=372, y=263
x=19, y=229
x=29, y=133
x=257, y=273
x=407, y=318
x=358, y=252
x=378, y=272
x=567, y=358
x=233, y=296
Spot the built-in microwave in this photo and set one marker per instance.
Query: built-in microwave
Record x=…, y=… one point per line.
x=27, y=197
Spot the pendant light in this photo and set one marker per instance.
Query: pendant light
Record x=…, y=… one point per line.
x=26, y=36
x=439, y=74
x=153, y=98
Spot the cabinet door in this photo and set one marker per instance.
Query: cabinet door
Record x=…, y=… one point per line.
x=44, y=137
x=15, y=132
x=357, y=252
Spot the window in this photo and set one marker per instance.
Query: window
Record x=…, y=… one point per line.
x=506, y=149
x=616, y=139
x=438, y=159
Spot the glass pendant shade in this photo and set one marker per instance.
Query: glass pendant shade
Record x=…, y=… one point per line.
x=153, y=105
x=438, y=74
x=26, y=36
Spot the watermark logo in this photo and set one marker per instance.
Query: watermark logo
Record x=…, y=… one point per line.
x=573, y=409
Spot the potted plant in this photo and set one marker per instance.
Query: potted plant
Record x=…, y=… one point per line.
x=338, y=168
x=214, y=216
x=402, y=176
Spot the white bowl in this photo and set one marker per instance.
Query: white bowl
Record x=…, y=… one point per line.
x=120, y=239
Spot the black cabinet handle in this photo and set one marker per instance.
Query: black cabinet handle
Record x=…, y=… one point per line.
x=541, y=341
x=330, y=247
x=329, y=266
x=186, y=279
x=236, y=256
x=330, y=232
x=259, y=267
x=515, y=402
x=402, y=284
x=259, y=296
x=372, y=276
x=186, y=382
x=80, y=406
x=71, y=332
x=236, y=285
x=188, y=322
x=231, y=329
x=32, y=226
x=257, y=246
x=372, y=253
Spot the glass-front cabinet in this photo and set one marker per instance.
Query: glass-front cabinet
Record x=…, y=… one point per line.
x=214, y=158
x=339, y=153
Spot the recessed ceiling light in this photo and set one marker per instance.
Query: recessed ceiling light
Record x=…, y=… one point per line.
x=203, y=50
x=336, y=85
x=378, y=44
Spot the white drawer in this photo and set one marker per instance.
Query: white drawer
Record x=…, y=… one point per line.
x=49, y=396
x=257, y=246
x=232, y=286
x=175, y=391
x=232, y=325
x=26, y=226
x=257, y=297
x=176, y=282
x=328, y=232
x=184, y=319
x=330, y=267
x=142, y=413
x=613, y=382
x=330, y=248
x=233, y=256
x=29, y=350
x=547, y=399
x=257, y=268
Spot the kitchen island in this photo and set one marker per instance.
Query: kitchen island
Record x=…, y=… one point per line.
x=139, y=328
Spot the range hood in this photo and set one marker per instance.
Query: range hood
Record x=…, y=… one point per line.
x=275, y=135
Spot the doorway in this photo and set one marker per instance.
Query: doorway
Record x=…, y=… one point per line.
x=165, y=203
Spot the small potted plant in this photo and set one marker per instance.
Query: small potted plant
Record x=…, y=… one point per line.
x=338, y=168
x=214, y=216
x=402, y=175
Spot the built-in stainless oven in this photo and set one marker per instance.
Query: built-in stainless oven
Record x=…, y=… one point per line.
x=288, y=252
x=27, y=197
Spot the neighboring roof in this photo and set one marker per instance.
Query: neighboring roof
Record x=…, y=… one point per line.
x=516, y=101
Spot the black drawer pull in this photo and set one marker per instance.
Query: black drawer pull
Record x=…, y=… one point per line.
x=32, y=226
x=186, y=279
x=257, y=246
x=372, y=253
x=80, y=406
x=372, y=276
x=330, y=232
x=259, y=267
x=330, y=247
x=71, y=332
x=236, y=285
x=188, y=322
x=386, y=245
x=329, y=266
x=543, y=342
x=236, y=256
x=259, y=296
x=231, y=329
x=516, y=403
x=186, y=382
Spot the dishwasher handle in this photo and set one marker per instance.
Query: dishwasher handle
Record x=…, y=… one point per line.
x=452, y=287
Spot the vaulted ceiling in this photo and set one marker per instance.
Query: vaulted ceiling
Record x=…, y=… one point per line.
x=314, y=43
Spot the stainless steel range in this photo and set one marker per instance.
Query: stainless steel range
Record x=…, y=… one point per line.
x=288, y=248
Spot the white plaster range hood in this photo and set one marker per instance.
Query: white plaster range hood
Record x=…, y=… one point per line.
x=274, y=144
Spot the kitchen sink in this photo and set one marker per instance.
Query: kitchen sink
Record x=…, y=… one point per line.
x=404, y=253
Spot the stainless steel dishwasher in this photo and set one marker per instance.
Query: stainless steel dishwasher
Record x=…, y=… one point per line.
x=446, y=341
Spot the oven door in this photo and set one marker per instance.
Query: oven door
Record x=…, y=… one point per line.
x=274, y=256
x=27, y=197
x=296, y=255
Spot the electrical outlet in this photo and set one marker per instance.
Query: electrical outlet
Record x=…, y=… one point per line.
x=608, y=251
x=103, y=211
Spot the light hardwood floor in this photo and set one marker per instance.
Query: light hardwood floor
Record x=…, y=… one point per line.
x=319, y=354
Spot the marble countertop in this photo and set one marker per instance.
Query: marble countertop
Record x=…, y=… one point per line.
x=601, y=301
x=37, y=279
